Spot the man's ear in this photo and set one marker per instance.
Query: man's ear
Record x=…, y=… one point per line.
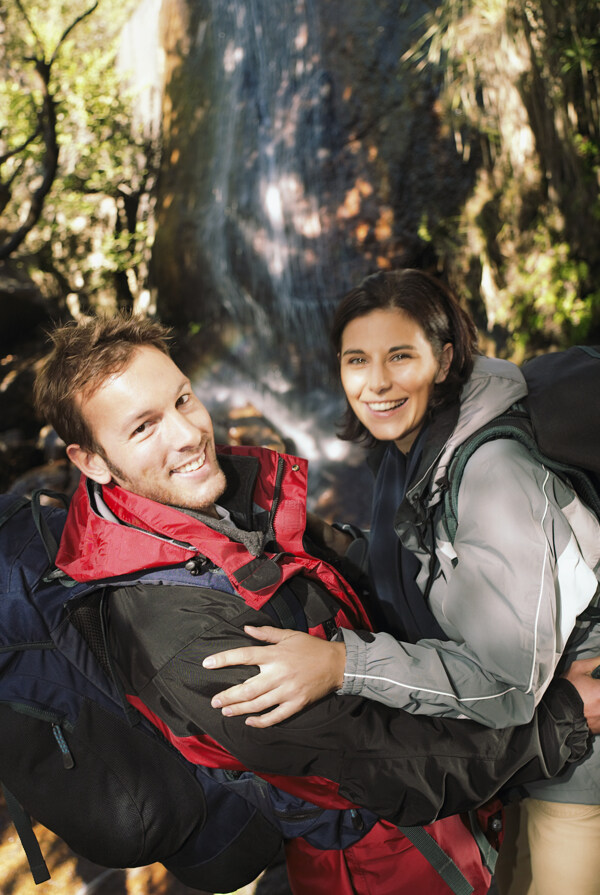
x=445, y=362
x=90, y=463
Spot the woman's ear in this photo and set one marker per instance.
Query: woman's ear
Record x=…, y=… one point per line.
x=445, y=362
x=89, y=463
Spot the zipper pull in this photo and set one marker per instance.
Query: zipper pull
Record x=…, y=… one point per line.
x=67, y=758
x=197, y=565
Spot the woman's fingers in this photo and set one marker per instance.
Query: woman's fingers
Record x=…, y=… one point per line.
x=245, y=655
x=248, y=655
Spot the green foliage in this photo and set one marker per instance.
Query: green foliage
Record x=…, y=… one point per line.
x=550, y=295
x=95, y=218
x=522, y=82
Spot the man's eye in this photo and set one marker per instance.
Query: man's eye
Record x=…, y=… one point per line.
x=183, y=399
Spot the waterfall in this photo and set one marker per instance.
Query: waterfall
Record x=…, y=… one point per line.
x=265, y=233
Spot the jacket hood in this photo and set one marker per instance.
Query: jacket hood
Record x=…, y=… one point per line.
x=492, y=388
x=494, y=385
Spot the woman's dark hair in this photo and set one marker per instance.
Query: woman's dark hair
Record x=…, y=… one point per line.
x=433, y=307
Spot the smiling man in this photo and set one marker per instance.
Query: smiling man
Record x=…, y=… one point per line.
x=158, y=498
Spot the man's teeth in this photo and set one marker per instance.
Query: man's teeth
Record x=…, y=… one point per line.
x=192, y=466
x=386, y=405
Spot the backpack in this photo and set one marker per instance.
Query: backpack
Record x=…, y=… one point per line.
x=76, y=757
x=558, y=422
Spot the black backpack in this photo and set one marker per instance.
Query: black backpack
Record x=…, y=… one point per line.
x=98, y=775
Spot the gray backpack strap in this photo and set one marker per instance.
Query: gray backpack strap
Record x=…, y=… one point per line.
x=489, y=855
x=439, y=860
x=515, y=424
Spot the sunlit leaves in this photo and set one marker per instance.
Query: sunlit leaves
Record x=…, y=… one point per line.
x=90, y=227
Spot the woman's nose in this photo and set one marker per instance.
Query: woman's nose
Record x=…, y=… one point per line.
x=379, y=379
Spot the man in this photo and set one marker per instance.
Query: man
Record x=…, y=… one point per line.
x=155, y=488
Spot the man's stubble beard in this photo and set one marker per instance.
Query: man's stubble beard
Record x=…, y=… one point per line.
x=216, y=488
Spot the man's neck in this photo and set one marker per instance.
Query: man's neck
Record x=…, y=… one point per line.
x=209, y=511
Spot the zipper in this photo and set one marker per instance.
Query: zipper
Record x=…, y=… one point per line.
x=68, y=761
x=57, y=724
x=276, y=499
x=298, y=814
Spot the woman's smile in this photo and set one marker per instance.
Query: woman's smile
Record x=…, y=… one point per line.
x=385, y=406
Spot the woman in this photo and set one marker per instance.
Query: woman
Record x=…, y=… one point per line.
x=474, y=628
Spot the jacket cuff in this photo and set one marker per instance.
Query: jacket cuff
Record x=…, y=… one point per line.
x=356, y=663
x=562, y=713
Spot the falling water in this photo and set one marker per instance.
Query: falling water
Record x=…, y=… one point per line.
x=265, y=231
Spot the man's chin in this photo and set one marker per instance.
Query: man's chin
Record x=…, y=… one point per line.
x=201, y=497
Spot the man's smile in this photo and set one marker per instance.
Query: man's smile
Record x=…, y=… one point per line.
x=190, y=466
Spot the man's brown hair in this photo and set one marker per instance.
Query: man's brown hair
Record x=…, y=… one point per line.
x=83, y=356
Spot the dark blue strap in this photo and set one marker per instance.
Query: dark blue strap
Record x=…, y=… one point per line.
x=13, y=508
x=22, y=822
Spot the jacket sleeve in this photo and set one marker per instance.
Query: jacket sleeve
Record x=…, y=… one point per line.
x=507, y=594
x=407, y=769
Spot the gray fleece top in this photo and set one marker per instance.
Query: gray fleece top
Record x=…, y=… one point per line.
x=524, y=564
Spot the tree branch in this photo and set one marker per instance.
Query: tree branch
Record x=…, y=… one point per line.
x=70, y=27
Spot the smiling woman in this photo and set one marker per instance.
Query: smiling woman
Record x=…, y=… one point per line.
x=469, y=627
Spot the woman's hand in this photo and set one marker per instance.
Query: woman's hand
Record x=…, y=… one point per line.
x=588, y=687
x=326, y=535
x=295, y=671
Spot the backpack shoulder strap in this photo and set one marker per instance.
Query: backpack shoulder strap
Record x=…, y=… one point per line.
x=439, y=860
x=514, y=424
x=31, y=847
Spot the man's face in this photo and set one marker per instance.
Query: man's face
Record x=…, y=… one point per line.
x=156, y=437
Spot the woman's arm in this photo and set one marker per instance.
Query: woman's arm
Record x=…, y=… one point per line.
x=507, y=594
x=508, y=599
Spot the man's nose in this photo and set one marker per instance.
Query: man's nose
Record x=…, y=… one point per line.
x=183, y=431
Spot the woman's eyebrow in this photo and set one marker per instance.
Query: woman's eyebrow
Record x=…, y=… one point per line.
x=389, y=350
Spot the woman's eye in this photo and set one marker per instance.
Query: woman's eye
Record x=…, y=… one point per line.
x=141, y=428
x=182, y=399
x=356, y=360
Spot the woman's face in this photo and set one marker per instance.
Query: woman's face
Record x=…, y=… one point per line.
x=388, y=371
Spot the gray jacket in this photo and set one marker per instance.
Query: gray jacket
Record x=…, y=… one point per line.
x=524, y=564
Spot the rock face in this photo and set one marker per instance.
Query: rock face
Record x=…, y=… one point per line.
x=300, y=154
x=22, y=310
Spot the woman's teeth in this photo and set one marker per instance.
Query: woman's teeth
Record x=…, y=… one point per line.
x=380, y=406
